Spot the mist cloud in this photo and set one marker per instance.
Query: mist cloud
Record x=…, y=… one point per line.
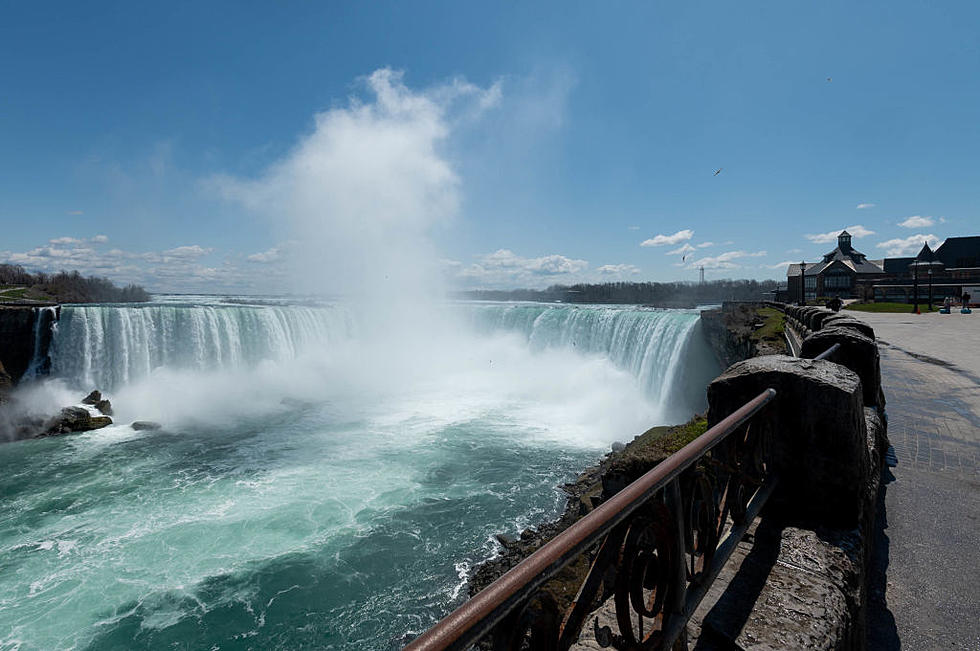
x=361, y=193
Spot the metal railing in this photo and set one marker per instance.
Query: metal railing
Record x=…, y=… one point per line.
x=655, y=547
x=827, y=353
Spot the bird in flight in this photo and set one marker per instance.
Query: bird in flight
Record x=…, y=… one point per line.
x=829, y=79
x=718, y=171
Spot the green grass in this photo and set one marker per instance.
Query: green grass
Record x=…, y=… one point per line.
x=883, y=307
x=16, y=292
x=773, y=329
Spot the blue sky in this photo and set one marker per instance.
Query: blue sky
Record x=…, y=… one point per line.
x=520, y=144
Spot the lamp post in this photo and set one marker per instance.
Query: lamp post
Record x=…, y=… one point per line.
x=915, y=287
x=802, y=282
x=930, y=286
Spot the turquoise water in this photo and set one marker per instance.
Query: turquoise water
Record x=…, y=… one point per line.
x=311, y=487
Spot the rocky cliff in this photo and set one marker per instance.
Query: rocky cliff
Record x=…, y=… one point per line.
x=740, y=331
x=19, y=334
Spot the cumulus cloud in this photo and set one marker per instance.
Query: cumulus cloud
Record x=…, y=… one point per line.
x=505, y=268
x=265, y=257
x=910, y=245
x=865, y=206
x=618, y=270
x=669, y=240
x=831, y=236
x=780, y=265
x=187, y=252
x=172, y=270
x=917, y=221
x=686, y=248
x=725, y=260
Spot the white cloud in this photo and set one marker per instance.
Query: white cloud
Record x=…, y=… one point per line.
x=187, y=252
x=704, y=245
x=686, y=248
x=664, y=240
x=864, y=206
x=780, y=265
x=725, y=260
x=65, y=240
x=917, y=221
x=171, y=270
x=271, y=255
x=505, y=268
x=795, y=251
x=618, y=270
x=831, y=236
x=633, y=228
x=910, y=245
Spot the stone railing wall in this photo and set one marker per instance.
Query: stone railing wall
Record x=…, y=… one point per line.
x=813, y=547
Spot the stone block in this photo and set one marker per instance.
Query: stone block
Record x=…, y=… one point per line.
x=857, y=352
x=817, y=429
x=848, y=321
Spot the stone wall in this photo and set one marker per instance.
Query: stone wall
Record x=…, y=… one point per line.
x=803, y=581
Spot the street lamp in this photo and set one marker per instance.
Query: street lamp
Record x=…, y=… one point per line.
x=802, y=282
x=915, y=287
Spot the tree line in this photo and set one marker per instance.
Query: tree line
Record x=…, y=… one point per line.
x=676, y=294
x=69, y=287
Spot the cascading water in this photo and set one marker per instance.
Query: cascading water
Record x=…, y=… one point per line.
x=109, y=346
x=44, y=317
x=311, y=487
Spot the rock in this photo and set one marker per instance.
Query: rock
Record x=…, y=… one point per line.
x=618, y=446
x=74, y=419
x=92, y=398
x=847, y=321
x=104, y=406
x=141, y=425
x=857, y=352
x=507, y=540
x=817, y=431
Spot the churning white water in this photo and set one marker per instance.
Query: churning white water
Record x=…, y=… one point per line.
x=324, y=477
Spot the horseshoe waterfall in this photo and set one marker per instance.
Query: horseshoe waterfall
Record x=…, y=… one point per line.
x=325, y=474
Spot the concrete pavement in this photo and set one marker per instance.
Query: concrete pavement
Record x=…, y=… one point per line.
x=925, y=590
x=952, y=338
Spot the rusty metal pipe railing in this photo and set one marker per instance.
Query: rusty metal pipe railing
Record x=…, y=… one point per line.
x=827, y=353
x=486, y=609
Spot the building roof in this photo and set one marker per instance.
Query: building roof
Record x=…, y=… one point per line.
x=849, y=256
x=897, y=265
x=960, y=252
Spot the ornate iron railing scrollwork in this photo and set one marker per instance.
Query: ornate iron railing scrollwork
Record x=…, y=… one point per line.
x=656, y=546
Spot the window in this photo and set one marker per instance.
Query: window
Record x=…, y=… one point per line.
x=837, y=281
x=810, y=282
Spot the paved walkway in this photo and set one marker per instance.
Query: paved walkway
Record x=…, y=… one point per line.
x=952, y=338
x=926, y=593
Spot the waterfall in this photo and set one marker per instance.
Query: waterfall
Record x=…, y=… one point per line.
x=40, y=355
x=652, y=344
x=109, y=346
